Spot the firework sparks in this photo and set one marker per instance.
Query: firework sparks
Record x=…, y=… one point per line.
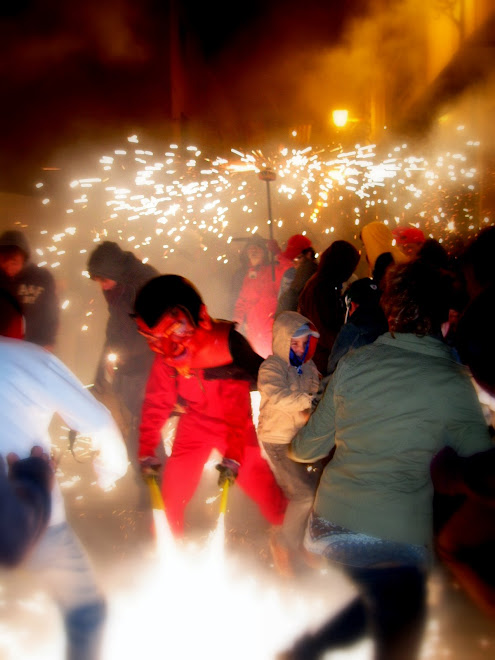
x=172, y=206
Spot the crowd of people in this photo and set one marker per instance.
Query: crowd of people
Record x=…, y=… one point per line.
x=372, y=450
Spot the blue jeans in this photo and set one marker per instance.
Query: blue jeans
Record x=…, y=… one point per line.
x=391, y=605
x=298, y=484
x=65, y=572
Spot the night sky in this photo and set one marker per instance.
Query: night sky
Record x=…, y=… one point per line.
x=78, y=75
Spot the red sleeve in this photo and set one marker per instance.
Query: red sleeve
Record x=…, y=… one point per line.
x=159, y=401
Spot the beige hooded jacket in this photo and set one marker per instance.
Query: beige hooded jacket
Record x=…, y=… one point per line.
x=286, y=395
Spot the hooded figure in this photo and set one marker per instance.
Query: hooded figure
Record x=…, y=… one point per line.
x=294, y=280
x=288, y=381
x=34, y=288
x=254, y=309
x=256, y=304
x=121, y=275
x=320, y=299
x=246, y=257
x=208, y=368
x=377, y=239
x=365, y=320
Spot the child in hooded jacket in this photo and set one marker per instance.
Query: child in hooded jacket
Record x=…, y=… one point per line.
x=288, y=381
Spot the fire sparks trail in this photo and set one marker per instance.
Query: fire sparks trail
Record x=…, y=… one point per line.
x=217, y=538
x=180, y=203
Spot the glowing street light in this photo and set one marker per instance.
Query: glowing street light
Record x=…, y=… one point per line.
x=340, y=117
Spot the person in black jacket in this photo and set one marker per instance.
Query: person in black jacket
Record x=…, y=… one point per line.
x=464, y=501
x=125, y=362
x=365, y=320
x=33, y=286
x=294, y=280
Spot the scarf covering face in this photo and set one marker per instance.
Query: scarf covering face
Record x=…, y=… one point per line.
x=297, y=361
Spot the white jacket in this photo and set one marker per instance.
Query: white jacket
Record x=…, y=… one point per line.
x=34, y=385
x=286, y=395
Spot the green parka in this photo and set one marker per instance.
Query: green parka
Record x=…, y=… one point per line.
x=388, y=409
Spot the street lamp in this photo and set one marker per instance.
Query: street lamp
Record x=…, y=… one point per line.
x=269, y=175
x=340, y=117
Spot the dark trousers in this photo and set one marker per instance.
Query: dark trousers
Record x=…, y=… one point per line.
x=391, y=608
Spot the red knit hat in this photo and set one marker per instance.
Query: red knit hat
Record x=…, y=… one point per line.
x=295, y=245
x=408, y=235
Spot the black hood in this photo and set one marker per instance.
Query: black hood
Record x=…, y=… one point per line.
x=109, y=261
x=337, y=263
x=13, y=238
x=162, y=294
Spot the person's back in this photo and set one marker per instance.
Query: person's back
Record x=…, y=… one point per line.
x=320, y=300
x=395, y=401
x=387, y=410
x=365, y=320
x=395, y=404
x=294, y=281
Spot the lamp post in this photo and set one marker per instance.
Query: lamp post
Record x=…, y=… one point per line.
x=269, y=175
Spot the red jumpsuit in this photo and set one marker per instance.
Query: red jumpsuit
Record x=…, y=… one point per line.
x=218, y=416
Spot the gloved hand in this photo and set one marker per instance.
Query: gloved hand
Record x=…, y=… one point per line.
x=229, y=470
x=38, y=468
x=150, y=466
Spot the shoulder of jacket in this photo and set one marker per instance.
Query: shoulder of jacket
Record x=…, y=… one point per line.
x=38, y=271
x=273, y=362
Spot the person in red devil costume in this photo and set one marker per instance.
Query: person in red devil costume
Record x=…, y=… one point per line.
x=207, y=367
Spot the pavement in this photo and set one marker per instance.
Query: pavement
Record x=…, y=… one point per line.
x=239, y=604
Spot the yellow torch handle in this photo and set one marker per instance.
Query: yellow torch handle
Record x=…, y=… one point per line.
x=223, y=501
x=155, y=494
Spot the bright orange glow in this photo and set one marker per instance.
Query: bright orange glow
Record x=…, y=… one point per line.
x=340, y=117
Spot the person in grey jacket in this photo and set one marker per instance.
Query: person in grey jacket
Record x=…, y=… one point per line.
x=388, y=409
x=288, y=380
